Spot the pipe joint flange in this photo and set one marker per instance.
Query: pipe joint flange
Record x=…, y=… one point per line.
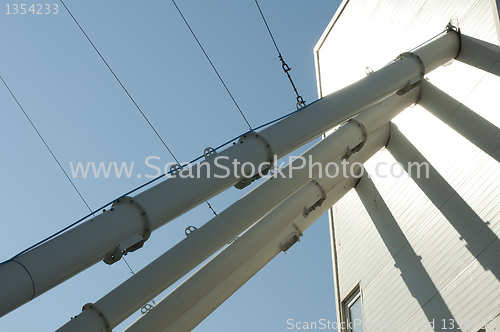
x=323, y=191
x=91, y=306
x=263, y=139
x=310, y=207
x=247, y=181
x=136, y=241
x=145, y=217
x=416, y=57
x=455, y=28
x=350, y=151
x=313, y=206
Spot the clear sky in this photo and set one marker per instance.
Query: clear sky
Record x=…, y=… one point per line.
x=85, y=116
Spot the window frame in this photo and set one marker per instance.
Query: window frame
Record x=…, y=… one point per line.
x=354, y=295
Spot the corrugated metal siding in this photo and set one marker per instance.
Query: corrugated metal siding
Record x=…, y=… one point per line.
x=456, y=232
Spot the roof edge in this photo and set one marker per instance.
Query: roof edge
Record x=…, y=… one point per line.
x=320, y=42
x=330, y=25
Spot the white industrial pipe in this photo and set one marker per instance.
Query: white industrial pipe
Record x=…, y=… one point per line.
x=480, y=54
x=211, y=301
x=121, y=302
x=131, y=222
x=237, y=254
x=463, y=120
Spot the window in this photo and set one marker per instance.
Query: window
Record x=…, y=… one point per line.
x=353, y=312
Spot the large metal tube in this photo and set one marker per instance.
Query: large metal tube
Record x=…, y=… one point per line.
x=211, y=301
x=351, y=100
x=480, y=54
x=254, y=239
x=55, y=261
x=59, y=259
x=462, y=119
x=121, y=302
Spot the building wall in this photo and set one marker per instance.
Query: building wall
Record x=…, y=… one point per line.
x=419, y=249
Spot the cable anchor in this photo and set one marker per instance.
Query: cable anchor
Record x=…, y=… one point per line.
x=300, y=102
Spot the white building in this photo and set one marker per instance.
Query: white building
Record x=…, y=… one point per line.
x=417, y=250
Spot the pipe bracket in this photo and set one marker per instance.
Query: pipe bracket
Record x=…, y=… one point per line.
x=209, y=152
x=91, y=306
x=134, y=242
x=190, y=230
x=350, y=151
x=247, y=181
x=292, y=239
x=311, y=207
x=323, y=191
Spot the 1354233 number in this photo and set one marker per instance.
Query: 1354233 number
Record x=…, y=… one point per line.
x=36, y=8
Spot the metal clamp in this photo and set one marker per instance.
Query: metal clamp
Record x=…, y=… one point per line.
x=294, y=238
x=145, y=308
x=209, y=152
x=300, y=102
x=190, y=230
x=247, y=181
x=91, y=306
x=310, y=208
x=136, y=241
x=174, y=169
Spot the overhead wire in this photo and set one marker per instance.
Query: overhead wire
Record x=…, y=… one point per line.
x=213, y=66
x=300, y=101
x=118, y=80
x=129, y=95
x=46, y=145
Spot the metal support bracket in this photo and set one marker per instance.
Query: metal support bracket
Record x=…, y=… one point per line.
x=414, y=81
x=91, y=306
x=134, y=242
x=247, y=181
x=190, y=230
x=145, y=308
x=174, y=169
x=209, y=153
x=310, y=208
x=350, y=151
x=410, y=85
x=292, y=239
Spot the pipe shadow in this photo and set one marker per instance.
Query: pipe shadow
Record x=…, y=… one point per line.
x=413, y=273
x=472, y=229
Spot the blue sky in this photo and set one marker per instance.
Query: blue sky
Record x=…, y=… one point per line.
x=84, y=115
